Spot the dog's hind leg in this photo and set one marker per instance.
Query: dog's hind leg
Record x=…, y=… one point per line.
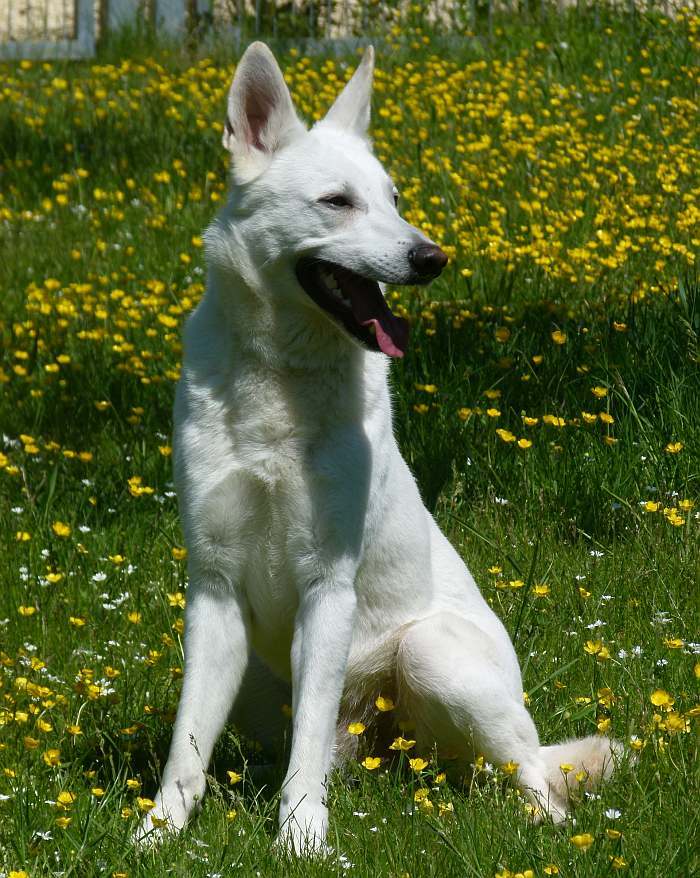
x=216, y=653
x=463, y=690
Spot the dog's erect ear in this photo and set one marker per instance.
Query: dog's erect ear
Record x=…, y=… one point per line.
x=261, y=117
x=351, y=109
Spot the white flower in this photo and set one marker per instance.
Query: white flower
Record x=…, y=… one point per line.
x=613, y=813
x=99, y=576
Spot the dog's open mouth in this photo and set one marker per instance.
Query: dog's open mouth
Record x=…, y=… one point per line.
x=356, y=303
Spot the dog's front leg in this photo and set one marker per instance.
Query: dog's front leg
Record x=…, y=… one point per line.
x=322, y=635
x=216, y=655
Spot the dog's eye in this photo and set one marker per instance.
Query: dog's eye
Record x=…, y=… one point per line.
x=336, y=201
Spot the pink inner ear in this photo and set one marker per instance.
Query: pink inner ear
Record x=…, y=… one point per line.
x=258, y=108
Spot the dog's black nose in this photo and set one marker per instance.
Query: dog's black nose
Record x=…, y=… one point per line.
x=428, y=260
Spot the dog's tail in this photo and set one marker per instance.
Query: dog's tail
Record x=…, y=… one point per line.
x=580, y=763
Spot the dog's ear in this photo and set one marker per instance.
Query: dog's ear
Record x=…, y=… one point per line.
x=260, y=117
x=351, y=109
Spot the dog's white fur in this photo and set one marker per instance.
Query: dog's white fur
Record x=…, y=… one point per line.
x=311, y=556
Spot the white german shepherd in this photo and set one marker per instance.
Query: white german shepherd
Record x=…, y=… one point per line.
x=312, y=559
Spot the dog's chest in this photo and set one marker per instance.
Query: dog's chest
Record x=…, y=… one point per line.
x=273, y=429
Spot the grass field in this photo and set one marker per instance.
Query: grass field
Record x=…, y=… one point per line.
x=549, y=406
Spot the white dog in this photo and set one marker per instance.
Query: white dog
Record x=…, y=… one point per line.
x=311, y=556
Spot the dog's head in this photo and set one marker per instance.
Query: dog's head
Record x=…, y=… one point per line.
x=321, y=212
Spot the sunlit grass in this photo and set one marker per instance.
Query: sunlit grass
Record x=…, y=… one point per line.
x=548, y=405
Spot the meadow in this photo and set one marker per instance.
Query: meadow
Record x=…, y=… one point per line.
x=549, y=405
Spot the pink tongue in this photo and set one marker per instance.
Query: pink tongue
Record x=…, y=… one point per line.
x=369, y=308
x=384, y=340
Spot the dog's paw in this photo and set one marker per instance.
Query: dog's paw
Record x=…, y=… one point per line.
x=303, y=832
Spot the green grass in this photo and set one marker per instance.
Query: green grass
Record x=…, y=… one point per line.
x=578, y=216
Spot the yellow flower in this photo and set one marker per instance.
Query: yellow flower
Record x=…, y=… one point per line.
x=144, y=805
x=23, y=536
x=541, y=591
x=97, y=792
x=582, y=841
x=384, y=704
x=65, y=798
x=463, y=413
x=425, y=806
x=505, y=435
x=502, y=334
x=661, y=698
x=674, y=447
x=618, y=862
x=63, y=822
x=524, y=443
x=559, y=337
x=553, y=420
x=676, y=722
x=231, y=815
x=61, y=529
x=651, y=506
x=493, y=413
x=599, y=391
x=551, y=869
x=26, y=611
x=17, y=873
x=234, y=777
x=179, y=553
x=510, y=767
x=401, y=744
x=356, y=728
x=418, y=764
x=371, y=762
